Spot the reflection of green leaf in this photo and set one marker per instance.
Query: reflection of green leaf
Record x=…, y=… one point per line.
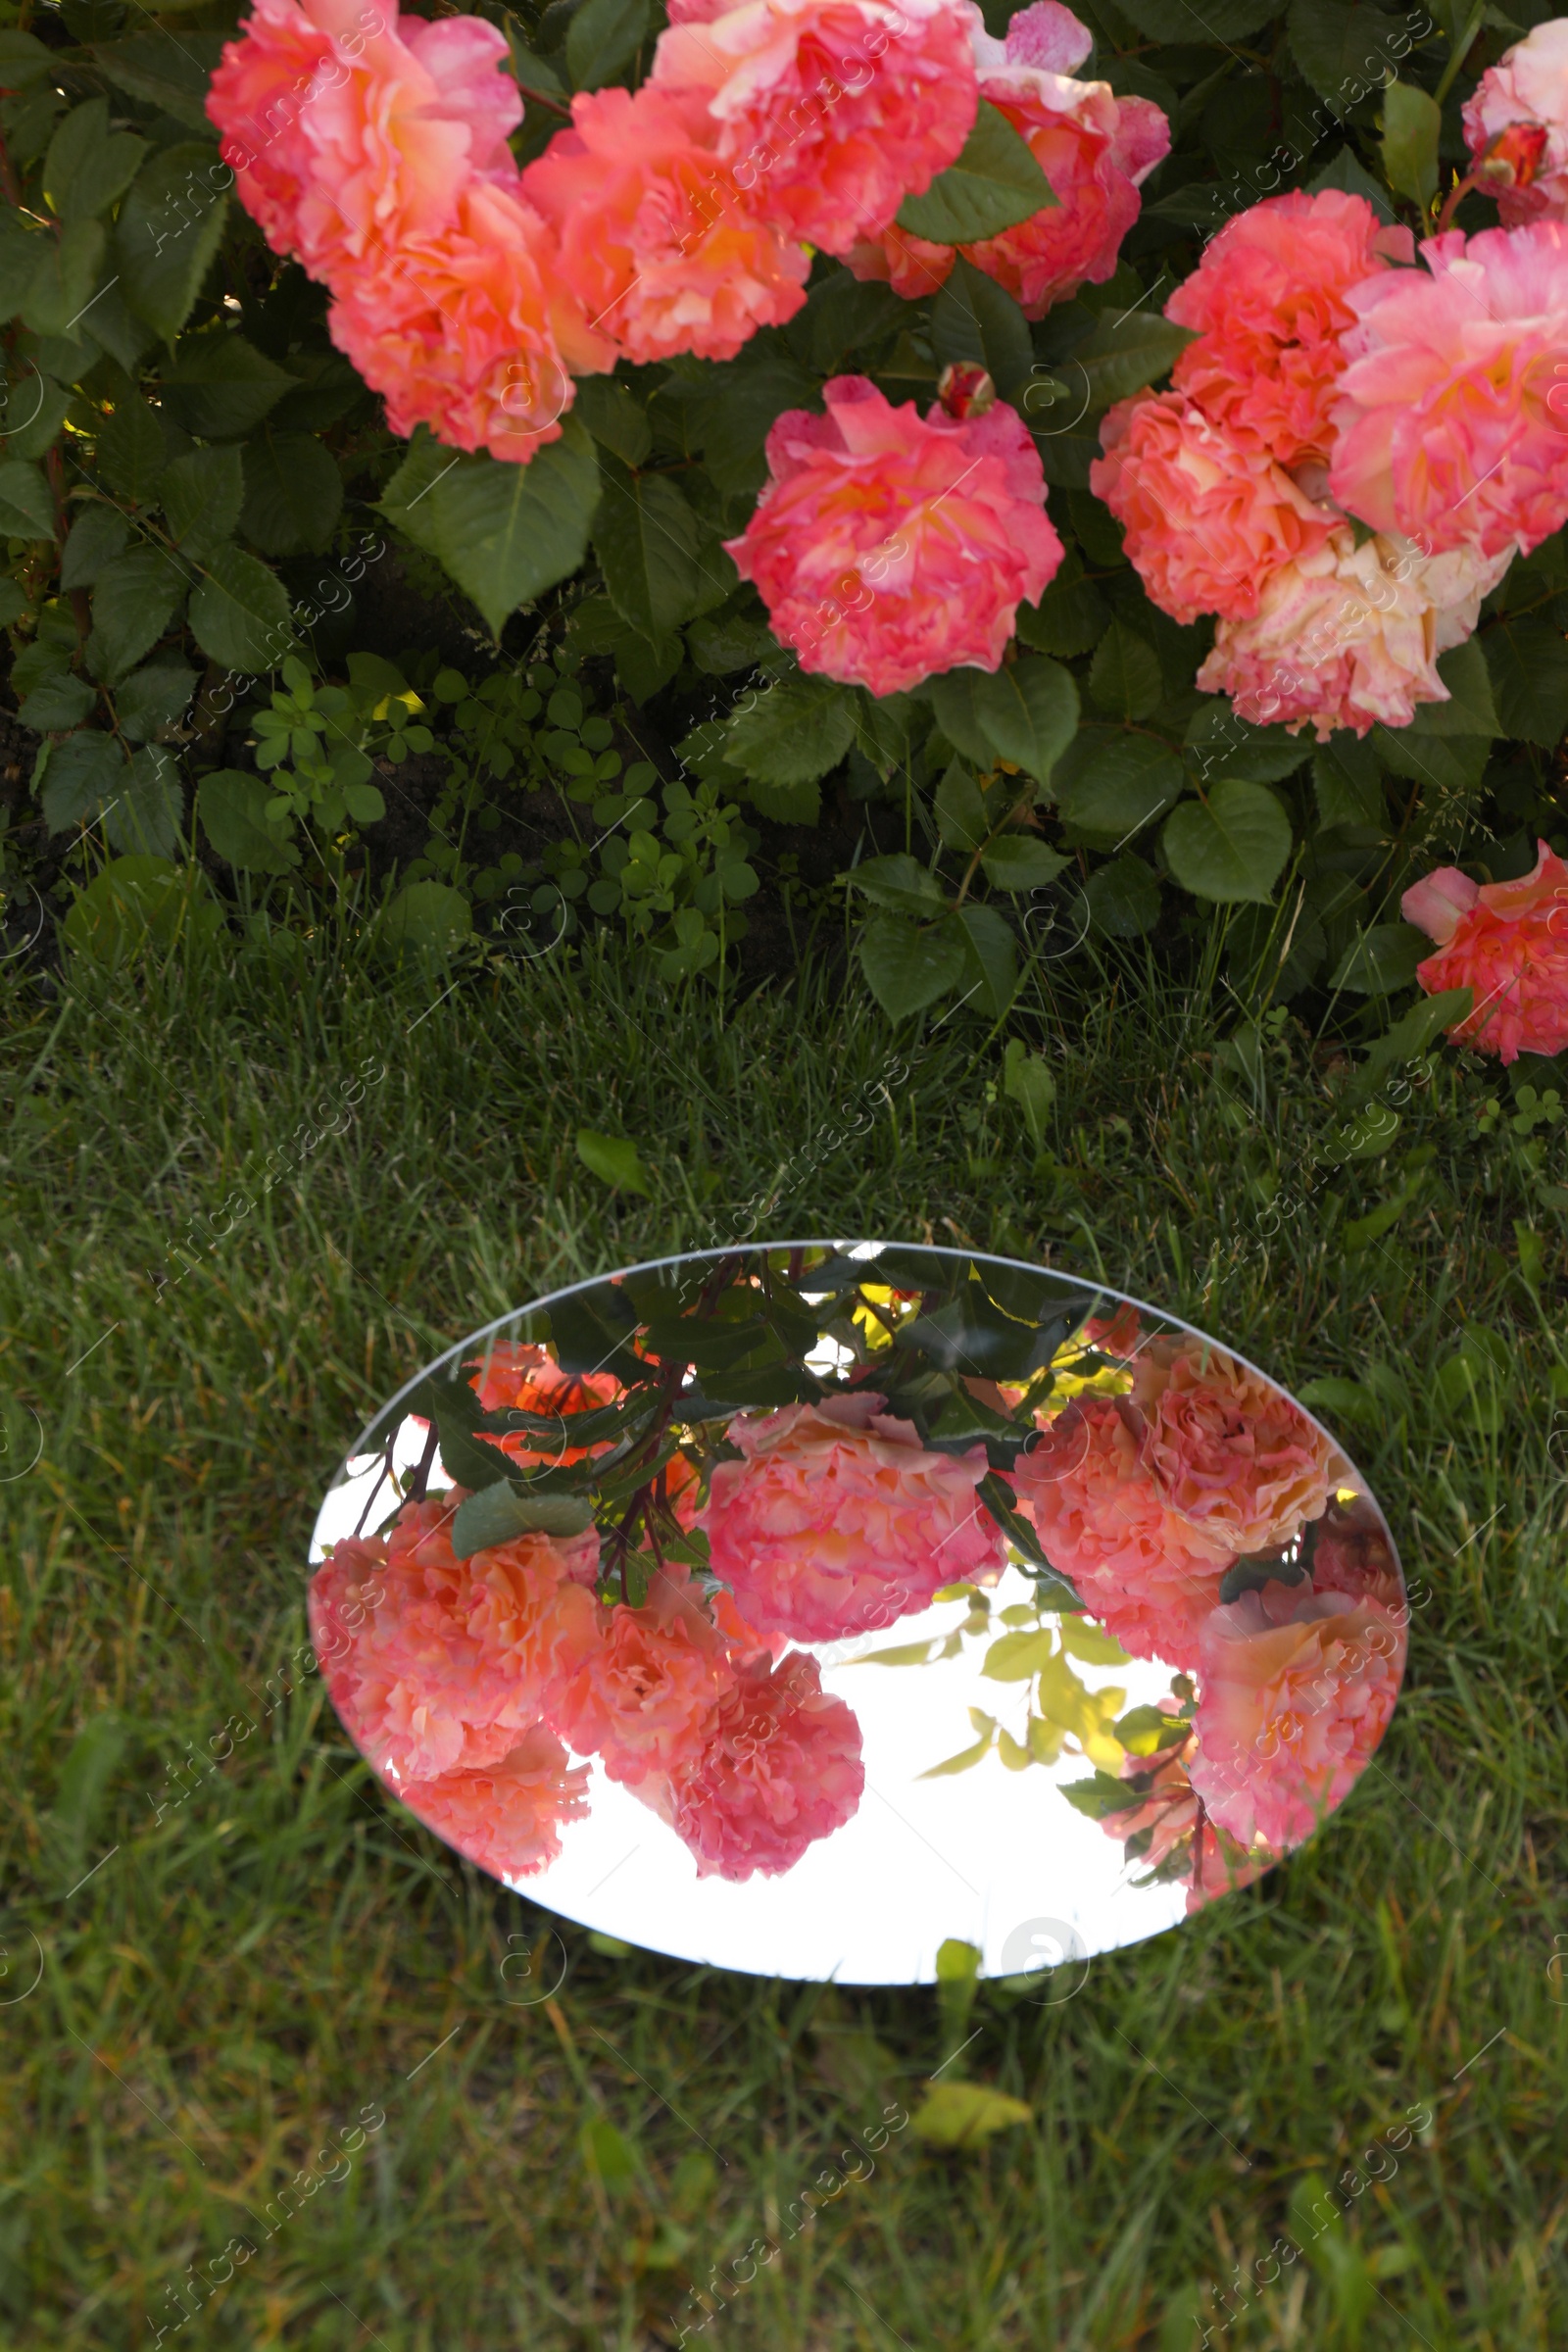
x=1101, y=1796
x=1019, y=1657
x=963, y=2115
x=906, y=1653
x=1144, y=1730
x=1252, y=1571
x=1092, y=1644
x=967, y=1757
x=499, y=1512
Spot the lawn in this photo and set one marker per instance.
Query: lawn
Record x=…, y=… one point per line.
x=247, y=1194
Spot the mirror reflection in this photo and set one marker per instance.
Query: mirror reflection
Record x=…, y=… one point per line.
x=802, y=1608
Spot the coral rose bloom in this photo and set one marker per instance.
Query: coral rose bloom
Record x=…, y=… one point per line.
x=1206, y=521
x=1094, y=149
x=521, y=1376
x=1228, y=1451
x=1147, y=1574
x=1295, y=1691
x=505, y=1817
x=1528, y=88
x=1271, y=303
x=832, y=110
x=889, y=547
x=452, y=1660
x=1348, y=636
x=1507, y=941
x=838, y=1519
x=657, y=242
x=777, y=1767
x=646, y=1683
x=1446, y=428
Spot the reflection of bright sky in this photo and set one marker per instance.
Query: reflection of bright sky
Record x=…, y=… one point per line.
x=987, y=1855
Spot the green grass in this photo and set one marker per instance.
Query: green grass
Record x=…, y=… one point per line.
x=280, y=1950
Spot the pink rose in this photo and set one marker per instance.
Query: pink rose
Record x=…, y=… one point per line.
x=888, y=547
x=505, y=1816
x=1527, y=91
x=1206, y=521
x=1094, y=148
x=469, y=329
x=830, y=112
x=1141, y=1570
x=258, y=101
x=1348, y=636
x=646, y=1683
x=1508, y=942
x=659, y=243
x=777, y=1765
x=451, y=1661
x=1271, y=303
x=1445, y=418
x=1296, y=1689
x=1232, y=1455
x=838, y=1519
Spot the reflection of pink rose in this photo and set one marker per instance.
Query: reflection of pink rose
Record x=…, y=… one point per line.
x=1296, y=1689
x=453, y=1660
x=505, y=1817
x=1147, y=1575
x=838, y=1519
x=777, y=1766
x=646, y=1683
x=1508, y=943
x=1353, y=1555
x=1228, y=1451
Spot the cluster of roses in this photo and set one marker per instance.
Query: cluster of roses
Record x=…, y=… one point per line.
x=1145, y=1500
x=1331, y=386
x=678, y=219
x=467, y=1680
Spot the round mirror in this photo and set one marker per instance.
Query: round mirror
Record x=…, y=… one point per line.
x=802, y=1608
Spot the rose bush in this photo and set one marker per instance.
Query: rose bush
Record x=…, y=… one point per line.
x=1097, y=457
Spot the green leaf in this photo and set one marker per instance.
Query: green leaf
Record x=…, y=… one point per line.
x=615, y=418
x=1382, y=960
x=169, y=227
x=153, y=698
x=1199, y=21
x=1223, y=745
x=788, y=803
x=1027, y=1080
x=27, y=509
x=24, y=60
x=964, y=1761
x=1117, y=783
x=56, y=703
x=1126, y=352
x=1025, y=714
x=499, y=1512
x=44, y=409
x=136, y=904
x=1429, y=757
x=240, y=613
x=1017, y=1657
x=1349, y=784
x=20, y=251
x=906, y=969
x=1124, y=677
x=201, y=495
x=991, y=955
x=974, y=318
x=1342, y=51
x=841, y=314
x=614, y=1161
x=427, y=920
x=959, y=811
x=66, y=274
x=1231, y=849
x=649, y=541
x=602, y=38
x=965, y=2115
x=1123, y=899
x=135, y=597
x=143, y=817
x=232, y=809
x=132, y=451
x=1412, y=123
x=87, y=165
x=1528, y=661
x=84, y=773
x=993, y=185
x=114, y=328
x=220, y=387
x=792, y=731
x=98, y=534
x=293, y=493
x=899, y=882
x=505, y=532
x=1349, y=176
x=170, y=71
x=1017, y=862
x=1071, y=618
x=1469, y=710
x=738, y=407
